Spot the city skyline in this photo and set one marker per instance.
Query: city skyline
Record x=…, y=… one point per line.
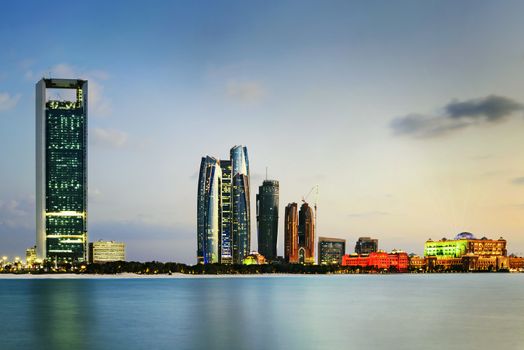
x=408, y=117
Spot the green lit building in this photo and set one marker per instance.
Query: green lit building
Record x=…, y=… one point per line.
x=61, y=171
x=444, y=248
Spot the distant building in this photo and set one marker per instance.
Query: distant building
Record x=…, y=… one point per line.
x=61, y=172
x=267, y=218
x=209, y=219
x=106, y=251
x=30, y=256
x=396, y=260
x=306, y=234
x=291, y=233
x=465, y=243
x=366, y=245
x=331, y=250
x=254, y=258
x=223, y=209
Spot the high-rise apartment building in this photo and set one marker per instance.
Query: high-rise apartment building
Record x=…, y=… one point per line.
x=209, y=208
x=61, y=172
x=306, y=234
x=223, y=213
x=366, y=245
x=241, y=218
x=267, y=219
x=291, y=233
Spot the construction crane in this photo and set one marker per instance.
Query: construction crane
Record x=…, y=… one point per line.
x=314, y=188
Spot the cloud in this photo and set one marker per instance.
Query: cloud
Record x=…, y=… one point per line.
x=109, y=138
x=246, y=91
x=367, y=214
x=7, y=101
x=518, y=181
x=457, y=115
x=17, y=213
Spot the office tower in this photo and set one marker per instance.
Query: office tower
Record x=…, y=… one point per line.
x=306, y=234
x=227, y=214
x=291, y=233
x=106, y=251
x=267, y=219
x=223, y=214
x=209, y=210
x=366, y=245
x=331, y=250
x=61, y=172
x=241, y=223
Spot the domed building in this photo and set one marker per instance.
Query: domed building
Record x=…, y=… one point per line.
x=465, y=235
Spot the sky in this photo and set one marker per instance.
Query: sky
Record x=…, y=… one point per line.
x=408, y=115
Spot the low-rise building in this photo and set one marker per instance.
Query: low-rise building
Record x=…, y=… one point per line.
x=331, y=250
x=396, y=260
x=106, y=251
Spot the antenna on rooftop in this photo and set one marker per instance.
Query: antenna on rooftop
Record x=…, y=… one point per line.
x=266, y=173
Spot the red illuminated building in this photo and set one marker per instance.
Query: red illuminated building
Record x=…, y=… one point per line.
x=398, y=261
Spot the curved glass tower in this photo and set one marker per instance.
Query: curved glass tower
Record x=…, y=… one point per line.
x=223, y=215
x=241, y=218
x=209, y=211
x=267, y=219
x=61, y=172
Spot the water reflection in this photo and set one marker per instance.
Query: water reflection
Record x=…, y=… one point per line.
x=61, y=315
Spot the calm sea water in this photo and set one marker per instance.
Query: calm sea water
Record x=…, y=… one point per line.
x=466, y=311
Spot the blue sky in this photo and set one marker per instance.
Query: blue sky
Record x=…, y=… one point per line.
x=357, y=97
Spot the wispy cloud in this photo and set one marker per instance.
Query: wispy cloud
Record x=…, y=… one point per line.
x=367, y=214
x=110, y=138
x=17, y=213
x=8, y=101
x=457, y=115
x=519, y=181
x=246, y=91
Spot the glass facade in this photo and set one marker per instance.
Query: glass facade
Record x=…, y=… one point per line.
x=306, y=233
x=366, y=245
x=209, y=211
x=223, y=215
x=291, y=233
x=61, y=150
x=267, y=218
x=331, y=250
x=227, y=213
x=241, y=214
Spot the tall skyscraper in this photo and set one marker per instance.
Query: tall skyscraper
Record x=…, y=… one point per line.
x=366, y=245
x=291, y=233
x=223, y=214
x=227, y=214
x=61, y=172
x=306, y=234
x=209, y=210
x=267, y=219
x=241, y=223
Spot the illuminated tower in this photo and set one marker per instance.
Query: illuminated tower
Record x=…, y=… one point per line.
x=306, y=234
x=61, y=172
x=241, y=215
x=267, y=219
x=291, y=233
x=227, y=214
x=209, y=211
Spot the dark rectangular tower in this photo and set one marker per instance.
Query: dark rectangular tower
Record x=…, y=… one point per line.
x=61, y=172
